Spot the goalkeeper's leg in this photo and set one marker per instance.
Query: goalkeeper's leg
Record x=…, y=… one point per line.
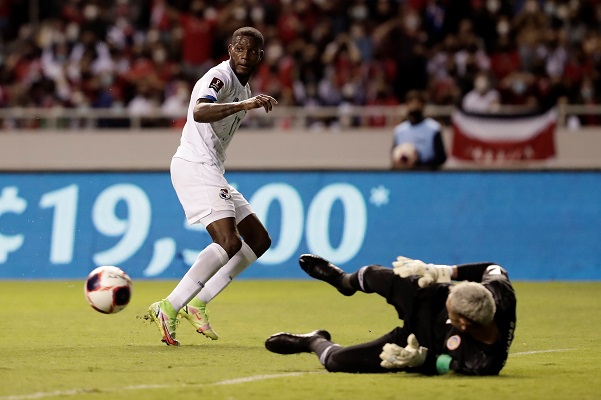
x=361, y=358
x=398, y=292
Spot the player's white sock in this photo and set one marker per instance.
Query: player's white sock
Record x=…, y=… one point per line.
x=206, y=265
x=238, y=263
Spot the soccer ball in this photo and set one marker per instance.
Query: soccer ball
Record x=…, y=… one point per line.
x=108, y=289
x=404, y=155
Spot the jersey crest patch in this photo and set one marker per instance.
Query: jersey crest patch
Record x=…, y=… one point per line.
x=225, y=194
x=216, y=84
x=453, y=342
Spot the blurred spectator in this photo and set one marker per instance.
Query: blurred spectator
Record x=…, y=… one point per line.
x=198, y=27
x=145, y=103
x=505, y=57
x=418, y=140
x=528, y=27
x=517, y=89
x=401, y=40
x=176, y=103
x=382, y=95
x=483, y=98
x=588, y=96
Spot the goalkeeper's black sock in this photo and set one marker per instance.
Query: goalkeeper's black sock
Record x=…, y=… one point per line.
x=346, y=282
x=352, y=280
x=366, y=279
x=319, y=344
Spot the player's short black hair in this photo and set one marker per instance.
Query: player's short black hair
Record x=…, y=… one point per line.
x=251, y=32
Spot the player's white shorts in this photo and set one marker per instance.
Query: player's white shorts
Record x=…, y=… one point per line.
x=205, y=194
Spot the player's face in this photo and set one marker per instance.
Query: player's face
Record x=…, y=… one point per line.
x=245, y=53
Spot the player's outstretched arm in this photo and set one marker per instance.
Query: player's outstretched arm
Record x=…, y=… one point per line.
x=207, y=111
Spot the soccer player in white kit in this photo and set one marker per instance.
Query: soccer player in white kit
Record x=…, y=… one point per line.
x=219, y=101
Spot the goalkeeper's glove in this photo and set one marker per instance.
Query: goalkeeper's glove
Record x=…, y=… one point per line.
x=395, y=356
x=428, y=273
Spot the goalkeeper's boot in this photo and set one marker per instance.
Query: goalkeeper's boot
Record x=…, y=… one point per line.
x=320, y=268
x=290, y=343
x=165, y=317
x=196, y=313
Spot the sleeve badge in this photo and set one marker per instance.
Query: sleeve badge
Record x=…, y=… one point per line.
x=216, y=84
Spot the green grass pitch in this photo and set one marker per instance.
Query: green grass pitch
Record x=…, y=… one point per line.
x=55, y=346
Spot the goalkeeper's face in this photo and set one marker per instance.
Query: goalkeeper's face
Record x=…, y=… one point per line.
x=457, y=321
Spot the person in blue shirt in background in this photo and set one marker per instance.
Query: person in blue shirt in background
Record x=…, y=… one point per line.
x=417, y=140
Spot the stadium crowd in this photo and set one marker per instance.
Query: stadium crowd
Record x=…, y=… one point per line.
x=145, y=55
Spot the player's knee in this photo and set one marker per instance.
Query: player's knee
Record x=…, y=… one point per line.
x=259, y=243
x=337, y=361
x=231, y=244
x=263, y=245
x=333, y=366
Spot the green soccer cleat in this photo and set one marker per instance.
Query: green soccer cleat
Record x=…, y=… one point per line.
x=196, y=313
x=165, y=317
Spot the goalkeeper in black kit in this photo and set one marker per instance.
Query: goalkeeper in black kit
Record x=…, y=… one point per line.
x=465, y=327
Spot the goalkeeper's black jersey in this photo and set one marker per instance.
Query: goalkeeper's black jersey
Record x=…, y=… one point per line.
x=470, y=356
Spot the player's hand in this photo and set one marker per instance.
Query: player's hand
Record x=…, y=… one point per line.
x=262, y=100
x=395, y=356
x=427, y=273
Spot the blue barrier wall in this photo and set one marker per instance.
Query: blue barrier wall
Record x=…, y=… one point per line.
x=538, y=225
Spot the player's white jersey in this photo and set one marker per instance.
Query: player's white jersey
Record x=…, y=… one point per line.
x=207, y=142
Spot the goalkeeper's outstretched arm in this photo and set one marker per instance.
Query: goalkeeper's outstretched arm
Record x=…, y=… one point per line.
x=472, y=272
x=437, y=273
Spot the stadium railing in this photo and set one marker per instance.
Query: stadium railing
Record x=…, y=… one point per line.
x=282, y=117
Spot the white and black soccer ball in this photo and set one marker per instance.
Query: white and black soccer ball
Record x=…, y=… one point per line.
x=404, y=155
x=108, y=289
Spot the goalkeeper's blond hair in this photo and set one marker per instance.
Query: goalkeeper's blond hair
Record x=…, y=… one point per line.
x=472, y=301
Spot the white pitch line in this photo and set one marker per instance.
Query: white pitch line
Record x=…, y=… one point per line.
x=41, y=395
x=526, y=353
x=74, y=392
x=261, y=378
